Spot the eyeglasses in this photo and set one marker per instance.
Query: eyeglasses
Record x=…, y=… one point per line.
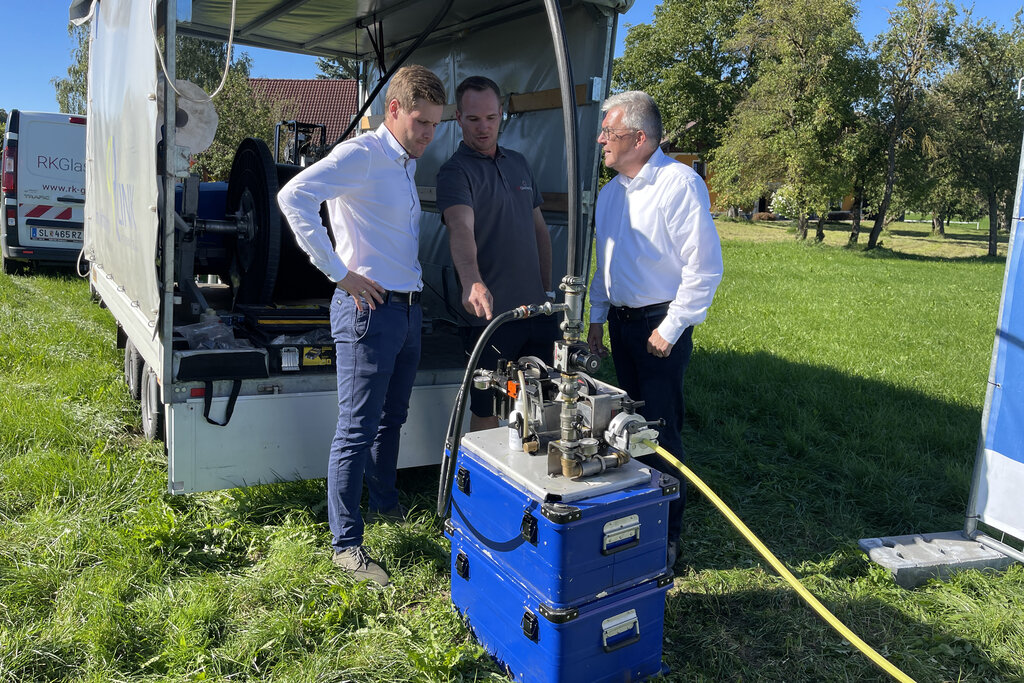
x=610, y=133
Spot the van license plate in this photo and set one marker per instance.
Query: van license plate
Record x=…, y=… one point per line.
x=57, y=234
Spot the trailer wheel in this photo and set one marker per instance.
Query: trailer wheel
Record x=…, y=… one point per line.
x=151, y=406
x=252, y=197
x=133, y=369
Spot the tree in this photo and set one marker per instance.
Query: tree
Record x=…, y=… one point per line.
x=3, y=123
x=684, y=60
x=984, y=112
x=909, y=54
x=72, y=93
x=787, y=132
x=337, y=68
x=242, y=113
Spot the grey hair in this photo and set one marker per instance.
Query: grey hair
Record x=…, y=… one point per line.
x=639, y=111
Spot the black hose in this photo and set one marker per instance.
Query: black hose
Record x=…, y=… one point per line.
x=454, y=434
x=391, y=72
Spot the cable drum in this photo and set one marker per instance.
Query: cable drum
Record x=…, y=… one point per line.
x=256, y=250
x=266, y=264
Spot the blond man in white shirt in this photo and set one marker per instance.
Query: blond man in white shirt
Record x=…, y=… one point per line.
x=369, y=186
x=659, y=261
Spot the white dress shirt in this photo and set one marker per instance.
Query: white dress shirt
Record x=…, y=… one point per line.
x=656, y=243
x=369, y=185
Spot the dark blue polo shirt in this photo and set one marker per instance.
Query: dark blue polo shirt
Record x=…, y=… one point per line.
x=502, y=193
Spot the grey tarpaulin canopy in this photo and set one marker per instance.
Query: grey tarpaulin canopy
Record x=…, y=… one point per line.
x=335, y=28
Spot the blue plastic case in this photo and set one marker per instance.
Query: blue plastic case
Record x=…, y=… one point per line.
x=567, y=542
x=617, y=637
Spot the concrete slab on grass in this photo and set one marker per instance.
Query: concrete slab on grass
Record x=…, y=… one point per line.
x=915, y=558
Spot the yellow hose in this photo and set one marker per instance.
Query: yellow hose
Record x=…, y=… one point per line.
x=822, y=611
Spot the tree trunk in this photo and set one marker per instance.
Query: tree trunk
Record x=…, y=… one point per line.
x=993, y=223
x=801, y=228
x=939, y=224
x=819, y=236
x=858, y=209
x=890, y=180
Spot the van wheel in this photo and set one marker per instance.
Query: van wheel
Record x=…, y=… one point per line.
x=133, y=369
x=151, y=406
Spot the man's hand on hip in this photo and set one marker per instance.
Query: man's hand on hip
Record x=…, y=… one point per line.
x=595, y=338
x=657, y=346
x=360, y=287
x=478, y=300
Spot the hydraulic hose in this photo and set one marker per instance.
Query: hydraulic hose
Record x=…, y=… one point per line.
x=822, y=611
x=454, y=433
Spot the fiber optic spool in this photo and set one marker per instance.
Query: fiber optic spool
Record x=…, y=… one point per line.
x=195, y=118
x=261, y=261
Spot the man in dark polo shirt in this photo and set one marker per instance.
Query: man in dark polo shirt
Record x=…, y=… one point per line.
x=499, y=240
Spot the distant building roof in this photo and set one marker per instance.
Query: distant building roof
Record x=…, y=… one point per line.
x=329, y=101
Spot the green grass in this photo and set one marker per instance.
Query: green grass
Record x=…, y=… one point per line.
x=833, y=394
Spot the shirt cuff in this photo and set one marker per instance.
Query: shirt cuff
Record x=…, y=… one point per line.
x=671, y=330
x=598, y=313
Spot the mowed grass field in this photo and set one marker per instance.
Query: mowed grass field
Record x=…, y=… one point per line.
x=833, y=394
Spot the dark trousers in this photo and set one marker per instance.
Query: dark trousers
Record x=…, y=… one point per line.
x=658, y=382
x=378, y=352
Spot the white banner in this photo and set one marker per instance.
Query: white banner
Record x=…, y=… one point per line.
x=121, y=222
x=997, y=492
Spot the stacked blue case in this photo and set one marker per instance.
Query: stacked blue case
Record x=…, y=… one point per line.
x=560, y=580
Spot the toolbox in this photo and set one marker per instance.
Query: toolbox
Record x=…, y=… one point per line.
x=616, y=637
x=566, y=541
x=297, y=337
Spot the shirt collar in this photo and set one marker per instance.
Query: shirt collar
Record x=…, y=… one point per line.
x=392, y=147
x=649, y=173
x=466, y=149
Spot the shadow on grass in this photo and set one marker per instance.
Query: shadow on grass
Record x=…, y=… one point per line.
x=883, y=252
x=771, y=635
x=813, y=458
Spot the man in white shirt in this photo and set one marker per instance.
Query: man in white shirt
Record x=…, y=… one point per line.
x=659, y=261
x=368, y=183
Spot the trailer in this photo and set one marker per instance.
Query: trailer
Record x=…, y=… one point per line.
x=262, y=407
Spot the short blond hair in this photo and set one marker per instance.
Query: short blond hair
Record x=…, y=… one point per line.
x=415, y=83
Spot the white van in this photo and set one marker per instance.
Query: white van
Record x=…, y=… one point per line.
x=43, y=189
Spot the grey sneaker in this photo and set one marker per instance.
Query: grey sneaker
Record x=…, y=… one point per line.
x=356, y=561
x=395, y=515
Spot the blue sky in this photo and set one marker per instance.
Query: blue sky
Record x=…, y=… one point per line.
x=37, y=48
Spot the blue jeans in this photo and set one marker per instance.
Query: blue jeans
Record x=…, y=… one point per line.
x=659, y=383
x=377, y=355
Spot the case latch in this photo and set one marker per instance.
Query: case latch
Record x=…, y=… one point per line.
x=462, y=565
x=528, y=528
x=462, y=480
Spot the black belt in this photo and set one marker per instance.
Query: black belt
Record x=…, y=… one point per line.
x=626, y=313
x=401, y=297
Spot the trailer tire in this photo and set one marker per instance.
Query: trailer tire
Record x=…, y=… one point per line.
x=151, y=406
x=133, y=369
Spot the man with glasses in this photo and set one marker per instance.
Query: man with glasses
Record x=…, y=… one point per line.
x=659, y=261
